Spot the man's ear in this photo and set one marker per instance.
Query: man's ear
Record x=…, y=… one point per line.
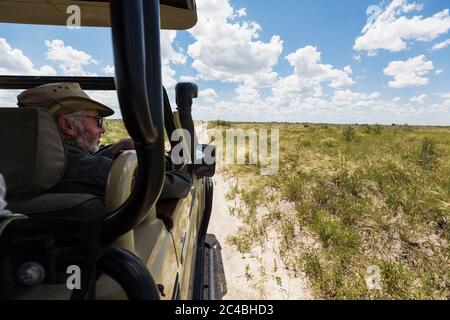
x=66, y=126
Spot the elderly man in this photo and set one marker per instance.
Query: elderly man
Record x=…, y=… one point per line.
x=80, y=120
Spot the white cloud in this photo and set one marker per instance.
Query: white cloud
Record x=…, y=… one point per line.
x=305, y=84
x=247, y=94
x=169, y=57
x=14, y=62
x=409, y=7
x=409, y=73
x=354, y=99
x=344, y=106
x=315, y=103
x=188, y=79
x=109, y=69
x=47, y=71
x=438, y=72
x=108, y=98
x=8, y=98
x=307, y=67
x=287, y=91
x=357, y=57
x=418, y=99
x=348, y=70
x=227, y=49
x=209, y=95
x=241, y=12
x=446, y=99
x=299, y=96
x=441, y=45
x=71, y=61
x=392, y=31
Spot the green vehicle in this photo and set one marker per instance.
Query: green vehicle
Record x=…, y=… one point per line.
x=128, y=245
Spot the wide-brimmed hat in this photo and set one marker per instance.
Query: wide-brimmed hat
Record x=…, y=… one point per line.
x=61, y=98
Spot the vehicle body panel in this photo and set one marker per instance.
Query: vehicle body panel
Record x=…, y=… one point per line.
x=93, y=13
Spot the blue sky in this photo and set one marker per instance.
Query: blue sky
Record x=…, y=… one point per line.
x=303, y=61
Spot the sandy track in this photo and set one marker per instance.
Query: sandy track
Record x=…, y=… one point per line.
x=254, y=276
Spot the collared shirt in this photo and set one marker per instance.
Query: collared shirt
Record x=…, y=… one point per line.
x=86, y=173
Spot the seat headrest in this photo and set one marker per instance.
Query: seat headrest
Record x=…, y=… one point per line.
x=32, y=151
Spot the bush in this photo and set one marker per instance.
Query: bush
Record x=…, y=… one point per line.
x=349, y=134
x=329, y=142
x=428, y=156
x=406, y=127
x=378, y=129
x=220, y=123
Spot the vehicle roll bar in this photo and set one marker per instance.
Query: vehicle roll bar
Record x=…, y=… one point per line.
x=185, y=93
x=131, y=274
x=135, y=26
x=136, y=45
x=28, y=82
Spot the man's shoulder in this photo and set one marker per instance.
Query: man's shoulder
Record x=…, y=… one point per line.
x=84, y=173
x=73, y=149
x=74, y=153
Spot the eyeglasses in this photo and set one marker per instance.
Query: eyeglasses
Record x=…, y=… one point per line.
x=98, y=119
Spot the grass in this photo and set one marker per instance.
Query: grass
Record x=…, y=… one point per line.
x=369, y=195
x=219, y=123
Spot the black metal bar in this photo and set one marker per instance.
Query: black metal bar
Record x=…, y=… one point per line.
x=131, y=274
x=134, y=59
x=185, y=93
x=28, y=82
x=130, y=63
x=168, y=118
x=199, y=277
x=153, y=72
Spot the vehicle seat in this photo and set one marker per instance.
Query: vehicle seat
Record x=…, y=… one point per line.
x=32, y=160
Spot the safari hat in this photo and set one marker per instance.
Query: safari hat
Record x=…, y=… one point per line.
x=61, y=98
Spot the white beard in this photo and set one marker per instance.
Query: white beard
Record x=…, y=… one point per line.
x=86, y=142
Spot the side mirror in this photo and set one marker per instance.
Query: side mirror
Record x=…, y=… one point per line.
x=205, y=161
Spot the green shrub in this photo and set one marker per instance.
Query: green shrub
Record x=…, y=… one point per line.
x=428, y=156
x=378, y=129
x=367, y=129
x=349, y=134
x=329, y=142
x=220, y=123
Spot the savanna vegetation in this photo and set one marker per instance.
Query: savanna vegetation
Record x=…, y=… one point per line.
x=114, y=131
x=353, y=205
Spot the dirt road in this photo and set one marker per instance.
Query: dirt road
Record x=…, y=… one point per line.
x=259, y=275
x=255, y=276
